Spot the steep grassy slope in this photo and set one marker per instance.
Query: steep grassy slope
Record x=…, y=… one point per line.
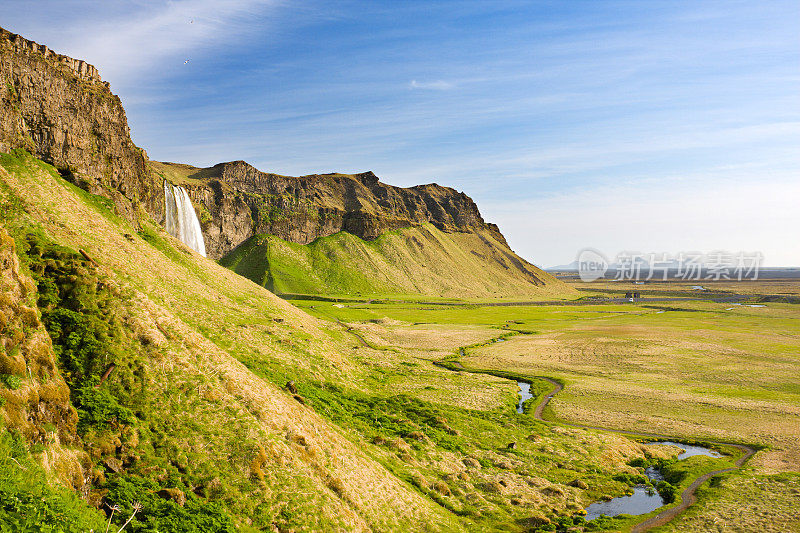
x=208, y=427
x=175, y=367
x=417, y=260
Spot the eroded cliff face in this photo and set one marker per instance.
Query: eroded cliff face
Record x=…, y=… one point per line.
x=236, y=201
x=59, y=109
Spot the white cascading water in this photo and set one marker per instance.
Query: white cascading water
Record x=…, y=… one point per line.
x=182, y=222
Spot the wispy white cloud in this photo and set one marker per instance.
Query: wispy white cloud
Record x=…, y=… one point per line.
x=131, y=41
x=438, y=85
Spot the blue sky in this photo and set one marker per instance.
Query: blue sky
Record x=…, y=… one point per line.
x=620, y=125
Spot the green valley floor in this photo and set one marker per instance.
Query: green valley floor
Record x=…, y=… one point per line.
x=141, y=377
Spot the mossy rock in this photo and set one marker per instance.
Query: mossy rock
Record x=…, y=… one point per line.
x=578, y=483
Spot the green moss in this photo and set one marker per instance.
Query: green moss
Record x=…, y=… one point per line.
x=159, y=513
x=89, y=337
x=12, y=93
x=268, y=208
x=11, y=381
x=203, y=214
x=28, y=503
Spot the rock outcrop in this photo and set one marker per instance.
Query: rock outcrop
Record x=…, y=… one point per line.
x=237, y=201
x=59, y=109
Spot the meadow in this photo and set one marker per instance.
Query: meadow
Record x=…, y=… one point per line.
x=691, y=369
x=371, y=435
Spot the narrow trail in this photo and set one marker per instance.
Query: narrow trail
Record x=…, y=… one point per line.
x=354, y=333
x=557, y=387
x=688, y=496
x=348, y=328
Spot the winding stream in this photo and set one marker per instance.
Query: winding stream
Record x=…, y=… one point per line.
x=524, y=395
x=645, y=499
x=687, y=497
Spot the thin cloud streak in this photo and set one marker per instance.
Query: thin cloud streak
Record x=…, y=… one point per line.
x=438, y=85
x=154, y=38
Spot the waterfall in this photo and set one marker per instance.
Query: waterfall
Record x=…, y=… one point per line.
x=182, y=222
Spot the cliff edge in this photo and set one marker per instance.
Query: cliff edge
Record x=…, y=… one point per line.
x=236, y=201
x=59, y=109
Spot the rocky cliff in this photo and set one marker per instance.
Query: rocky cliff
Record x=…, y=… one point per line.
x=59, y=109
x=236, y=201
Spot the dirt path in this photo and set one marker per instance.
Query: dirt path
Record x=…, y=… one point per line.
x=688, y=496
x=557, y=387
x=348, y=328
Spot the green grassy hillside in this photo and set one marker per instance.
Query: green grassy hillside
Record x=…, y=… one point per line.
x=411, y=261
x=136, y=372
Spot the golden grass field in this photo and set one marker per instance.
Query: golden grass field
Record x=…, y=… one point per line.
x=690, y=369
x=702, y=371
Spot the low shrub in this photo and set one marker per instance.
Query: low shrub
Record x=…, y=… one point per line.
x=158, y=513
x=667, y=491
x=393, y=416
x=98, y=409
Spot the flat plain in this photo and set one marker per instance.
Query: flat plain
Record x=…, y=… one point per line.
x=692, y=369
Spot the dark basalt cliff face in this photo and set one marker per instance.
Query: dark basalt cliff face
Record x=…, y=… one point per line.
x=236, y=201
x=59, y=109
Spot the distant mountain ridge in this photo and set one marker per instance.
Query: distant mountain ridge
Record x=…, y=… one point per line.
x=60, y=110
x=238, y=201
